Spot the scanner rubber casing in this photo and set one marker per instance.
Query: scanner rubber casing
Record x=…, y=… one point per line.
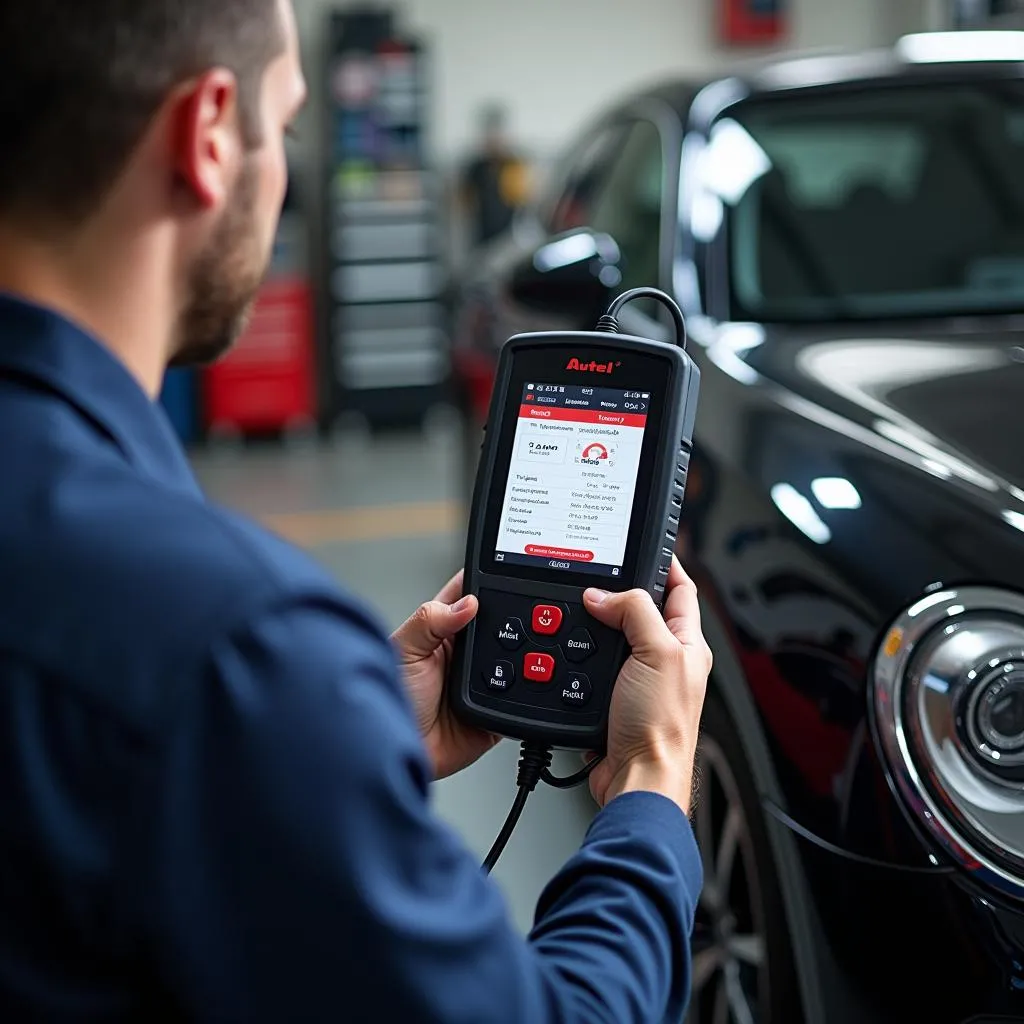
x=571, y=729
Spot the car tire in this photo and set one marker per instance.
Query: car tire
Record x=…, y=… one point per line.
x=743, y=967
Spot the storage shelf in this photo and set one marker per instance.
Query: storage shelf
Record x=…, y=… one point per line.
x=387, y=324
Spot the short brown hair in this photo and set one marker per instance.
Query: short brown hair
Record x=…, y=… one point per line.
x=81, y=80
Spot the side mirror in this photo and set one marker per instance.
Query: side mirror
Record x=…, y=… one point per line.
x=572, y=275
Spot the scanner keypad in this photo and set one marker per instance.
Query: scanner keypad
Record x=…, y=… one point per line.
x=547, y=654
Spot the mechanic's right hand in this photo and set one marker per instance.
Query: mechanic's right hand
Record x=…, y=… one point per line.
x=657, y=702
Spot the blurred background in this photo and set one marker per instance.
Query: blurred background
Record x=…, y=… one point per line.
x=340, y=420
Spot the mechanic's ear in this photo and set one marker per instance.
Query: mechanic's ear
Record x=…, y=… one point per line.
x=207, y=140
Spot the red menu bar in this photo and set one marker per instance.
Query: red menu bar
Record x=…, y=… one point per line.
x=608, y=419
x=569, y=554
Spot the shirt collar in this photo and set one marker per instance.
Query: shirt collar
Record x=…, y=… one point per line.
x=42, y=345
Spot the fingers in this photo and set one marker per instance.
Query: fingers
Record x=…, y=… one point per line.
x=432, y=624
x=633, y=612
x=682, y=614
x=676, y=573
x=452, y=590
x=682, y=611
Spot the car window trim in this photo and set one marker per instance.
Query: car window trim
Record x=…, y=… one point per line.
x=668, y=125
x=568, y=165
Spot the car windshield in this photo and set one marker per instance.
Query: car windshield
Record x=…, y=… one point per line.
x=892, y=201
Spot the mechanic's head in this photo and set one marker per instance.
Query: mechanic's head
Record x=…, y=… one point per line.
x=146, y=138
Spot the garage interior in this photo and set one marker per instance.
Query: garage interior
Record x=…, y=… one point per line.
x=358, y=452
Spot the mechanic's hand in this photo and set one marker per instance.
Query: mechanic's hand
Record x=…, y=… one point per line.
x=424, y=643
x=657, y=702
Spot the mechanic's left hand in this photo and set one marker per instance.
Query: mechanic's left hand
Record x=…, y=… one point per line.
x=424, y=643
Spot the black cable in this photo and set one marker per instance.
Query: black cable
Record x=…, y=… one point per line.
x=570, y=781
x=609, y=324
x=533, y=763
x=506, y=830
x=911, y=869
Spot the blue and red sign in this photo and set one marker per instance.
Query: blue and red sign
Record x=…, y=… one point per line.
x=753, y=21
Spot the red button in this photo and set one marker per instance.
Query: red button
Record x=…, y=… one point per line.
x=547, y=619
x=538, y=668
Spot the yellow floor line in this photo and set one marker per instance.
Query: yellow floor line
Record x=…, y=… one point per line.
x=380, y=522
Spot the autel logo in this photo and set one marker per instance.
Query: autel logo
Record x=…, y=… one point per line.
x=592, y=367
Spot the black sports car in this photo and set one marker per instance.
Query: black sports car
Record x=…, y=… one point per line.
x=846, y=237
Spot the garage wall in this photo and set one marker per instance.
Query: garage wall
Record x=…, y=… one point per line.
x=556, y=61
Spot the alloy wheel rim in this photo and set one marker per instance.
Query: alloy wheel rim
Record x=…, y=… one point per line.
x=730, y=961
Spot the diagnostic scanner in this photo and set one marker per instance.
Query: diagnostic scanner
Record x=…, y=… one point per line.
x=580, y=484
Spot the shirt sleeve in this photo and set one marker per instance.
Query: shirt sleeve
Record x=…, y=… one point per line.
x=294, y=869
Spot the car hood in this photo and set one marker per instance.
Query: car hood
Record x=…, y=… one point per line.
x=950, y=395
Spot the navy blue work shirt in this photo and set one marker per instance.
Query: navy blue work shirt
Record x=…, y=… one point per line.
x=214, y=801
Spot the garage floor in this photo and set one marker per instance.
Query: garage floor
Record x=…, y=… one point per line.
x=383, y=514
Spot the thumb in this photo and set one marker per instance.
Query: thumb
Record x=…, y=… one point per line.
x=431, y=624
x=632, y=612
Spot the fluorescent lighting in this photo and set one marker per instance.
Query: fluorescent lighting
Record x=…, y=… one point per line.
x=800, y=512
x=1014, y=519
x=565, y=251
x=740, y=336
x=943, y=47
x=935, y=460
x=733, y=161
x=687, y=286
x=823, y=68
x=707, y=212
x=928, y=602
x=937, y=469
x=731, y=341
x=728, y=362
x=835, y=492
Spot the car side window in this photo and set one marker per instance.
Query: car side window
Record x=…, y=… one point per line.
x=582, y=177
x=629, y=206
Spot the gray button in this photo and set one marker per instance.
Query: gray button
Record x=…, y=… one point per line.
x=500, y=676
x=576, y=690
x=579, y=646
x=510, y=634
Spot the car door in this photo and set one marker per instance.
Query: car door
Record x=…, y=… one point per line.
x=615, y=188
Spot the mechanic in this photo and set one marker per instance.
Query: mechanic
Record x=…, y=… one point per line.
x=214, y=766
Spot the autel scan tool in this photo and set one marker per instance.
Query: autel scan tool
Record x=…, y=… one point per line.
x=580, y=484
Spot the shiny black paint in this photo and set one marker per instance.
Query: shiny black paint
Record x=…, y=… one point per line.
x=922, y=419
x=807, y=618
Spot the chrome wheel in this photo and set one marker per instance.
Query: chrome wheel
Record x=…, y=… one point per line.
x=730, y=961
